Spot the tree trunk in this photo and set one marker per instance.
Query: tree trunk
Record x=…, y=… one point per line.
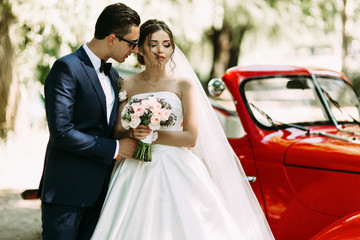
x=8, y=86
x=226, y=47
x=345, y=37
x=221, y=40
x=237, y=36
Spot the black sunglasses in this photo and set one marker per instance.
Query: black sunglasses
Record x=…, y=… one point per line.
x=133, y=43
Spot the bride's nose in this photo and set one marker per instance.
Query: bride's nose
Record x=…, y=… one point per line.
x=160, y=49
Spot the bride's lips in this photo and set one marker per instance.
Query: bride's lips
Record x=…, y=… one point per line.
x=160, y=58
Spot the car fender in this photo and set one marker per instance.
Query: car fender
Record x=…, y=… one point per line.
x=345, y=228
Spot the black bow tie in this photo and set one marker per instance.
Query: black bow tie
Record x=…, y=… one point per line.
x=105, y=67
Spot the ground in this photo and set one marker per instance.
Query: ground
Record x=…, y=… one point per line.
x=20, y=219
x=21, y=161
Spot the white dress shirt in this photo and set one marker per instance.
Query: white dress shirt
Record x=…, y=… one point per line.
x=106, y=86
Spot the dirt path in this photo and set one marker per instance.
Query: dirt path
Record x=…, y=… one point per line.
x=19, y=219
x=21, y=161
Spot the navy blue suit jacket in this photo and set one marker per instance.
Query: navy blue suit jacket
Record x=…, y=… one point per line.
x=80, y=151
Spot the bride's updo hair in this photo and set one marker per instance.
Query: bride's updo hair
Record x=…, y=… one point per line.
x=146, y=31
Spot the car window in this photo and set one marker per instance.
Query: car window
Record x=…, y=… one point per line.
x=283, y=99
x=343, y=100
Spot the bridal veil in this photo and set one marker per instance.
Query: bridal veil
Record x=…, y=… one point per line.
x=213, y=149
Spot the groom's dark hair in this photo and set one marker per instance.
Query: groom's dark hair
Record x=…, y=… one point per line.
x=117, y=19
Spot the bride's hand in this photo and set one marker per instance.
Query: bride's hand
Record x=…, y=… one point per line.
x=140, y=132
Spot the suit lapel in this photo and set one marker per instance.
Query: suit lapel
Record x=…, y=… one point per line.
x=116, y=100
x=93, y=77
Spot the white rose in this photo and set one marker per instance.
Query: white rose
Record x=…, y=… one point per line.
x=125, y=124
x=122, y=95
x=135, y=121
x=154, y=126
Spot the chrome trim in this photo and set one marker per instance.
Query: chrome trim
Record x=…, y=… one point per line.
x=251, y=178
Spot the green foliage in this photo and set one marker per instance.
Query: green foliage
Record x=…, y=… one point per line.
x=74, y=46
x=47, y=30
x=42, y=71
x=50, y=48
x=53, y=28
x=25, y=39
x=306, y=7
x=51, y=43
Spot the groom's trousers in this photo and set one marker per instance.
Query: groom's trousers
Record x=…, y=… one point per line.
x=70, y=223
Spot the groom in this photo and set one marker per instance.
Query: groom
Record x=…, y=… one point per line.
x=81, y=102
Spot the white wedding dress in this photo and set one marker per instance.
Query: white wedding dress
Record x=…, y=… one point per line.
x=172, y=197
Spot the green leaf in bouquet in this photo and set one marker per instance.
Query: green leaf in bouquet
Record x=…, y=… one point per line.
x=126, y=116
x=145, y=120
x=170, y=122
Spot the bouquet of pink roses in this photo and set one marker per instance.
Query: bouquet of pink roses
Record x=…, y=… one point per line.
x=150, y=111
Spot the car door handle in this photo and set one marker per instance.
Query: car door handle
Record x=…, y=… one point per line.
x=251, y=178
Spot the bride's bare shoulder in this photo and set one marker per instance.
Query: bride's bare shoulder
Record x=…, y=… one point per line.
x=184, y=83
x=130, y=81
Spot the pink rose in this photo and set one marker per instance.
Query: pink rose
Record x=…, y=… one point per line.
x=155, y=122
x=164, y=114
x=155, y=107
x=155, y=119
x=139, y=110
x=145, y=103
x=152, y=99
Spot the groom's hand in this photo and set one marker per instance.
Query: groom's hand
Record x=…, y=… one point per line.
x=127, y=147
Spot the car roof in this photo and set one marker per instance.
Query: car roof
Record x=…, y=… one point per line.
x=269, y=70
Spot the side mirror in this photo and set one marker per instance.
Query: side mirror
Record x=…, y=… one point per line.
x=215, y=87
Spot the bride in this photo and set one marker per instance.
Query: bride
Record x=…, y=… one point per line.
x=194, y=187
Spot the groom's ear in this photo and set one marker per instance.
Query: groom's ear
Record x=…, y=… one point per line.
x=110, y=39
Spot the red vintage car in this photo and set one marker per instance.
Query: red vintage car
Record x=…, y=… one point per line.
x=296, y=132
